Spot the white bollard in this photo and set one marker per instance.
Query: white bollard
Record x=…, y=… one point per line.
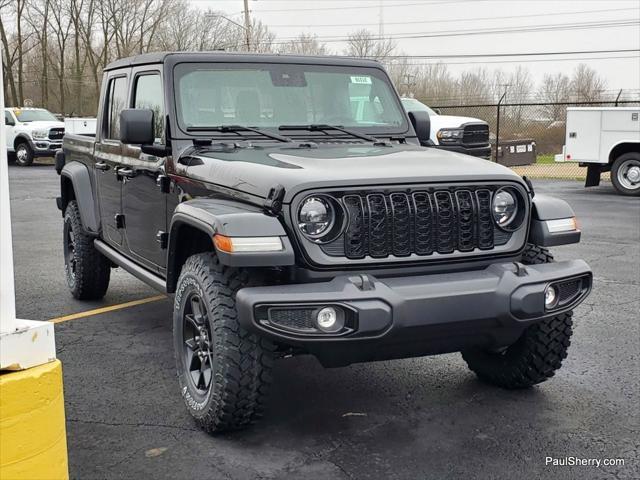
x=23, y=343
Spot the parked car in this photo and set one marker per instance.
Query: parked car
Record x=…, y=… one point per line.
x=605, y=139
x=457, y=134
x=282, y=225
x=32, y=132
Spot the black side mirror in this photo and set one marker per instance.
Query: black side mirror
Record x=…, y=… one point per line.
x=136, y=126
x=9, y=122
x=422, y=126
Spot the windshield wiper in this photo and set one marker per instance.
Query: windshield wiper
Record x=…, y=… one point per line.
x=237, y=129
x=319, y=127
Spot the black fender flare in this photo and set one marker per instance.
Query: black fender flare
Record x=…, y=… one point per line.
x=546, y=207
x=232, y=219
x=77, y=174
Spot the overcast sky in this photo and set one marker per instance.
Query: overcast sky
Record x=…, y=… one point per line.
x=333, y=19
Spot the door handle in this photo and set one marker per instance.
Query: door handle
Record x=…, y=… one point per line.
x=102, y=166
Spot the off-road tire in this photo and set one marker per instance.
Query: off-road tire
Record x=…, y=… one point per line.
x=536, y=355
x=241, y=362
x=23, y=154
x=87, y=271
x=632, y=158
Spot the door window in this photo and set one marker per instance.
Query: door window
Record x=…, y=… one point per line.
x=148, y=94
x=116, y=102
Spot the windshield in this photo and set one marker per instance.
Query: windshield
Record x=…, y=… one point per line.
x=413, y=105
x=34, y=115
x=276, y=95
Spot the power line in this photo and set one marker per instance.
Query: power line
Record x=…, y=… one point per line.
x=487, y=31
x=456, y=20
x=519, y=61
x=521, y=54
x=362, y=7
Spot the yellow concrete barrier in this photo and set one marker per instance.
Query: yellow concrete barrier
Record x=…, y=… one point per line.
x=33, y=441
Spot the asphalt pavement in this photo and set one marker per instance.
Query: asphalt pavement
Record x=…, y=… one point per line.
x=403, y=419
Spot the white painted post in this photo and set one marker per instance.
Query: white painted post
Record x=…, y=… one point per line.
x=23, y=343
x=7, y=293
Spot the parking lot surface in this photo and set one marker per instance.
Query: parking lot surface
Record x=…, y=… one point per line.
x=404, y=419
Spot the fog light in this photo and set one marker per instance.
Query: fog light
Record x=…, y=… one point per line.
x=329, y=320
x=550, y=297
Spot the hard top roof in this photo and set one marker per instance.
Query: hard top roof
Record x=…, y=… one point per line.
x=220, y=56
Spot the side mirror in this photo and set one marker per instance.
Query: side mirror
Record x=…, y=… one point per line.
x=9, y=122
x=422, y=126
x=136, y=126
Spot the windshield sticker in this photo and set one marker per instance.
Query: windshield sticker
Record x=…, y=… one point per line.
x=362, y=80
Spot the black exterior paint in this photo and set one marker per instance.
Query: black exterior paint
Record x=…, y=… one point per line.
x=224, y=188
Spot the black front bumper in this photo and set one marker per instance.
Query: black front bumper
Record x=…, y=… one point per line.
x=483, y=151
x=417, y=315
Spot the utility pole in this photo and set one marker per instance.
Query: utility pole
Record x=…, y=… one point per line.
x=381, y=20
x=247, y=25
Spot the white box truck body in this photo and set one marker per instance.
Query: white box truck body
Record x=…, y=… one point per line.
x=605, y=139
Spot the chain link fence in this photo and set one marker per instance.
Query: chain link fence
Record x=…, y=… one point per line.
x=529, y=135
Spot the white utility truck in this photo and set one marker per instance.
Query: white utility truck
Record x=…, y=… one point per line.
x=605, y=139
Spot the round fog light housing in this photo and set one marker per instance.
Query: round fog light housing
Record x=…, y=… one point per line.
x=550, y=297
x=328, y=319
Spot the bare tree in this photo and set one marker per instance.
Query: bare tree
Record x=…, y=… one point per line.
x=553, y=90
x=305, y=44
x=586, y=84
x=363, y=44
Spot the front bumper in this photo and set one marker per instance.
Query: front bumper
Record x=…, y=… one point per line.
x=45, y=147
x=416, y=315
x=482, y=151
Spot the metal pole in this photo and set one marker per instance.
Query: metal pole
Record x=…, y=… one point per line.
x=618, y=97
x=498, y=123
x=247, y=25
x=7, y=290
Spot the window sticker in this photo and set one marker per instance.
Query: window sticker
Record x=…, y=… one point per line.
x=362, y=79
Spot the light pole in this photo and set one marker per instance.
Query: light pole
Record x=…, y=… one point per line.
x=246, y=27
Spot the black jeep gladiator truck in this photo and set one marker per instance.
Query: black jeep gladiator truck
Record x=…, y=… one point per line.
x=285, y=221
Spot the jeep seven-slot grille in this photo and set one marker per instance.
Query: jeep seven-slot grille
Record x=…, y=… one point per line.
x=400, y=224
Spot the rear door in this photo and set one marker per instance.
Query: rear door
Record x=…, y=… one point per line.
x=143, y=202
x=108, y=157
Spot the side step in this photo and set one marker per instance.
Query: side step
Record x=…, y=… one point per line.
x=137, y=271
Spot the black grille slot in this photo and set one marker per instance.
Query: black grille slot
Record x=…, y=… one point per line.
x=475, y=134
x=378, y=228
x=354, y=237
x=446, y=223
x=485, y=219
x=466, y=221
x=401, y=224
x=420, y=222
x=423, y=223
x=56, y=133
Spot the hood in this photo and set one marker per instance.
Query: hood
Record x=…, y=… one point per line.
x=256, y=170
x=452, y=121
x=42, y=125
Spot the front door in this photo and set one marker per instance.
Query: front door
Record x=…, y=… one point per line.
x=108, y=157
x=143, y=202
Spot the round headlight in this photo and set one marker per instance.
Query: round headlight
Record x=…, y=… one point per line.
x=315, y=217
x=505, y=208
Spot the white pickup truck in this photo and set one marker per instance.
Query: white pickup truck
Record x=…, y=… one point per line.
x=32, y=132
x=456, y=134
x=605, y=139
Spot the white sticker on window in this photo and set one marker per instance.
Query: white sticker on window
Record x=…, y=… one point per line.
x=363, y=80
